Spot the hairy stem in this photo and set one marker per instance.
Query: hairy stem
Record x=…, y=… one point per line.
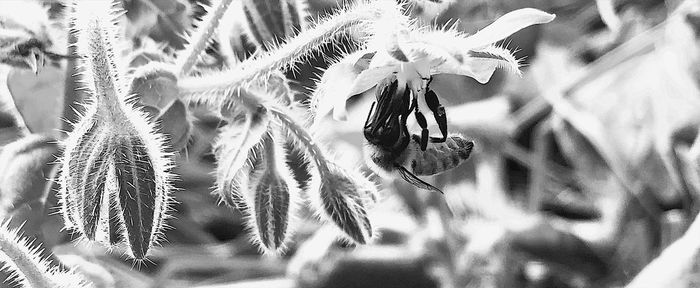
x=200, y=38
x=304, y=138
x=286, y=55
x=25, y=260
x=71, y=94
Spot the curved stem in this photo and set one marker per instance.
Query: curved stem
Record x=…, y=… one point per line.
x=26, y=260
x=72, y=96
x=301, y=135
x=286, y=55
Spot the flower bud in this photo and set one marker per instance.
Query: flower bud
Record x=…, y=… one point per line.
x=263, y=189
x=108, y=171
x=235, y=45
x=271, y=22
x=343, y=198
x=272, y=194
x=113, y=163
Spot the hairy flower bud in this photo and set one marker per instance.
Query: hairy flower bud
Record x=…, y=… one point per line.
x=252, y=175
x=100, y=160
x=113, y=163
x=235, y=45
x=273, y=197
x=343, y=198
x=271, y=22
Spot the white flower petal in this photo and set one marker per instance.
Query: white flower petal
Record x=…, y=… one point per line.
x=499, y=55
x=507, y=25
x=479, y=70
x=481, y=64
x=370, y=78
x=333, y=87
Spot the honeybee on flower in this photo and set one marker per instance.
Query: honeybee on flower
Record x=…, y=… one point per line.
x=400, y=61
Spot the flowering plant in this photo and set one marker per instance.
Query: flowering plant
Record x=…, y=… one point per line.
x=116, y=166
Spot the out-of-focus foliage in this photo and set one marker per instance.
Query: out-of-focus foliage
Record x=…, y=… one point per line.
x=584, y=171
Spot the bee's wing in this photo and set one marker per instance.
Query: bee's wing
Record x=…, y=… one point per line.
x=415, y=181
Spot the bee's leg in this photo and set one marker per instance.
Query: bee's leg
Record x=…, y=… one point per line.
x=423, y=123
x=439, y=113
x=369, y=116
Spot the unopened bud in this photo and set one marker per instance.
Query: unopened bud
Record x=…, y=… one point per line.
x=343, y=198
x=272, y=194
x=271, y=22
x=100, y=161
x=114, y=161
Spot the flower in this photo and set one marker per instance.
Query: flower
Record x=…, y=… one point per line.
x=414, y=54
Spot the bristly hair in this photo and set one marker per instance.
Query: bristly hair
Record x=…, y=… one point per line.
x=113, y=132
x=201, y=37
x=96, y=28
x=26, y=265
x=286, y=55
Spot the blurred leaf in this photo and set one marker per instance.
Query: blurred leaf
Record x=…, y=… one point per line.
x=38, y=97
x=174, y=125
x=96, y=274
x=630, y=103
x=25, y=166
x=163, y=20
x=677, y=265
x=155, y=84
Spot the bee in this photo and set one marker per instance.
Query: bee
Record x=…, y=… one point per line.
x=392, y=148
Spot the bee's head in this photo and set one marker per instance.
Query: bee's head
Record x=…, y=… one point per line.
x=386, y=123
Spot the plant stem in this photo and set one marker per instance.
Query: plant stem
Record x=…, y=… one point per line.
x=301, y=135
x=25, y=260
x=200, y=39
x=71, y=94
x=284, y=56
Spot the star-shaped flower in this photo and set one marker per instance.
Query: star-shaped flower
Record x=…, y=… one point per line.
x=414, y=54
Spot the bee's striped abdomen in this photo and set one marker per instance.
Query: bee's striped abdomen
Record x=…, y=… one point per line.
x=438, y=157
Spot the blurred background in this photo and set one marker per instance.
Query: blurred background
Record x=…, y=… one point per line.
x=585, y=170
